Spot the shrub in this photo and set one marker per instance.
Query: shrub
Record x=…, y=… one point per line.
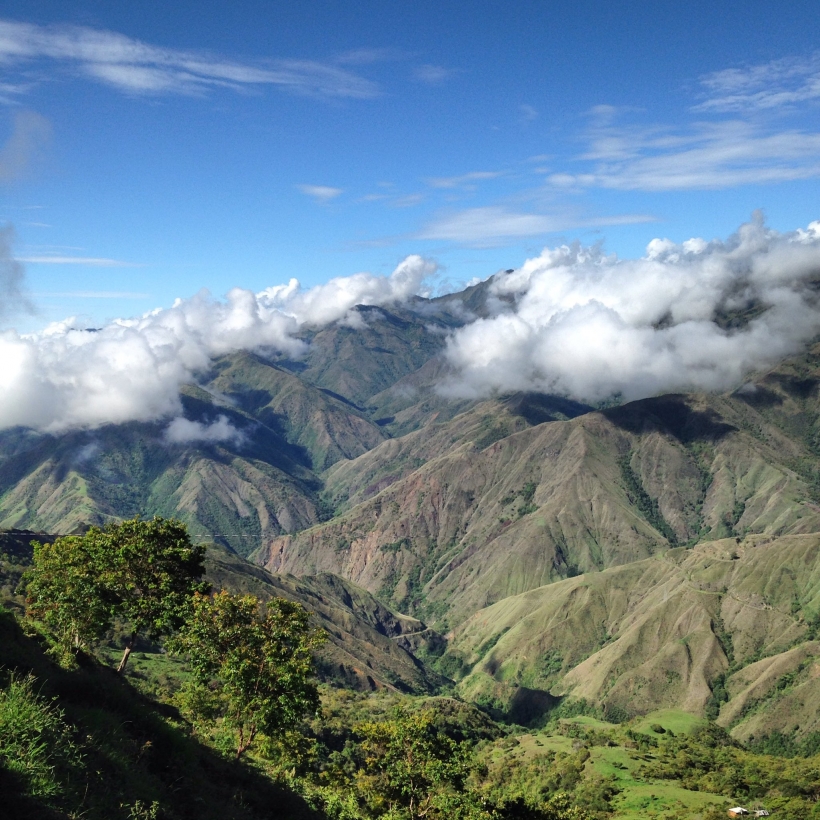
x=35, y=743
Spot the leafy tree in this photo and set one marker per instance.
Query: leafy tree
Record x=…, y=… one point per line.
x=252, y=664
x=155, y=571
x=412, y=770
x=144, y=572
x=65, y=591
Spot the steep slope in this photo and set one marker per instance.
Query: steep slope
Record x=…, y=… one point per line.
x=294, y=419
x=490, y=518
x=661, y=633
x=327, y=428
x=369, y=353
x=369, y=646
x=236, y=491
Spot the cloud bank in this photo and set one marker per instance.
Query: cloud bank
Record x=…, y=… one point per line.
x=584, y=324
x=575, y=321
x=68, y=377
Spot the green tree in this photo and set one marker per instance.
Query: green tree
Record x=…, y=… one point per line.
x=143, y=572
x=252, y=664
x=412, y=770
x=65, y=592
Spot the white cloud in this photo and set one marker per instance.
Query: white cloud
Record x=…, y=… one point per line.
x=464, y=180
x=709, y=155
x=184, y=431
x=91, y=261
x=433, y=74
x=407, y=201
x=493, y=225
x=331, y=301
x=767, y=86
x=732, y=143
x=321, y=193
x=68, y=377
x=590, y=326
x=93, y=294
x=133, y=66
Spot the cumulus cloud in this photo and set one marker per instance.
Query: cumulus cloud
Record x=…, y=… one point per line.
x=330, y=302
x=578, y=322
x=130, y=370
x=184, y=431
x=140, y=68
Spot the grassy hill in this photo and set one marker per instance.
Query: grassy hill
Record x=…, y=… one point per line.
x=659, y=633
x=456, y=516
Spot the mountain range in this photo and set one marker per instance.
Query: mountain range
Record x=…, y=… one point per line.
x=661, y=553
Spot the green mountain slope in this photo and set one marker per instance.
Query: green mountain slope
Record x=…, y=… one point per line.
x=385, y=344
x=369, y=646
x=660, y=633
x=325, y=427
x=235, y=492
x=481, y=519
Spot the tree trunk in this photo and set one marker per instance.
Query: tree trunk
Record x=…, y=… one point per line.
x=125, y=655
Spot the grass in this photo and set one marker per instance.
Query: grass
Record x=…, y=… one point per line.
x=673, y=720
x=639, y=801
x=611, y=759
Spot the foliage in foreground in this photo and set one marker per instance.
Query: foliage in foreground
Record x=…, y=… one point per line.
x=252, y=664
x=35, y=742
x=142, y=572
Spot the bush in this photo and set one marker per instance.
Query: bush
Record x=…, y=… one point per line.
x=35, y=743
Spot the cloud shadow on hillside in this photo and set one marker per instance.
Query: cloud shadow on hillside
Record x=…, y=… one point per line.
x=672, y=415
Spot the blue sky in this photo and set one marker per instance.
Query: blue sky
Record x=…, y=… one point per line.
x=149, y=150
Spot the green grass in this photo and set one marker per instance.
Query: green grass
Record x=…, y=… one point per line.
x=639, y=801
x=589, y=722
x=671, y=719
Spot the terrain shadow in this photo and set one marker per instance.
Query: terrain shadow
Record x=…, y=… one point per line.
x=670, y=414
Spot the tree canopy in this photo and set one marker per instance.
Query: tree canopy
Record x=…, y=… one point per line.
x=143, y=572
x=257, y=659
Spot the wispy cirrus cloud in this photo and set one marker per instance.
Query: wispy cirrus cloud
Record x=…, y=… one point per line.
x=137, y=67
x=705, y=156
x=495, y=225
x=93, y=294
x=715, y=151
x=528, y=112
x=433, y=74
x=321, y=193
x=90, y=261
x=467, y=180
x=767, y=86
